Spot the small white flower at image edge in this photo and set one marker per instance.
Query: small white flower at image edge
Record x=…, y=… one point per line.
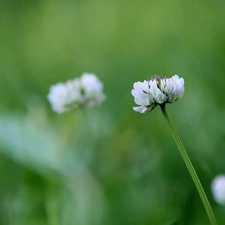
x=218, y=189
x=157, y=91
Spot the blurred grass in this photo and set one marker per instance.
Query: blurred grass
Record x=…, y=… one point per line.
x=109, y=165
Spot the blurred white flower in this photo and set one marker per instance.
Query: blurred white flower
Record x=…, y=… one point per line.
x=92, y=89
x=218, y=189
x=84, y=91
x=157, y=91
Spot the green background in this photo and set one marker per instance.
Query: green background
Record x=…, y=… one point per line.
x=109, y=165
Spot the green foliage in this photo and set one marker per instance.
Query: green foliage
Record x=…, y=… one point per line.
x=109, y=165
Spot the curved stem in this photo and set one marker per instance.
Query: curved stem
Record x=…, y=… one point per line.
x=190, y=167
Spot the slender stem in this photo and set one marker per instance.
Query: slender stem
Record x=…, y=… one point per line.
x=190, y=167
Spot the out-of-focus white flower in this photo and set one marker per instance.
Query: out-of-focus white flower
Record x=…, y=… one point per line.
x=84, y=91
x=218, y=189
x=92, y=89
x=157, y=91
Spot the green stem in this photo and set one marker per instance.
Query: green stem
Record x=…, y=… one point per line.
x=190, y=167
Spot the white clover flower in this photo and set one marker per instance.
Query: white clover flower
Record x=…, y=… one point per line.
x=84, y=91
x=157, y=91
x=218, y=189
x=92, y=89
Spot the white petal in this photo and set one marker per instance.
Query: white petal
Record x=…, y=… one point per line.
x=92, y=89
x=169, y=86
x=157, y=93
x=180, y=92
x=144, y=109
x=90, y=83
x=141, y=109
x=162, y=84
x=141, y=86
x=141, y=101
x=175, y=88
x=58, y=97
x=175, y=77
x=142, y=94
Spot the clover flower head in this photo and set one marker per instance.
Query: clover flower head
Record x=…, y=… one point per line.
x=218, y=189
x=92, y=89
x=157, y=91
x=84, y=91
